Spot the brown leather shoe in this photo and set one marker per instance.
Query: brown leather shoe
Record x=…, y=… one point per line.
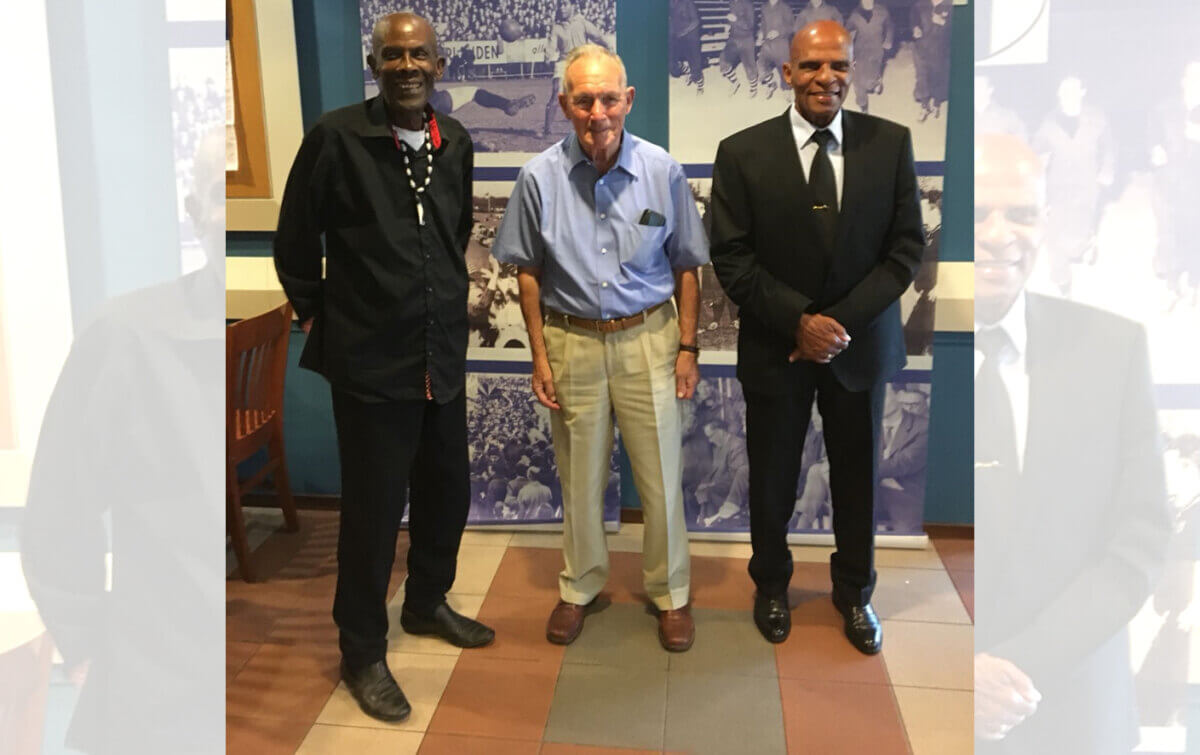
x=676, y=630
x=565, y=624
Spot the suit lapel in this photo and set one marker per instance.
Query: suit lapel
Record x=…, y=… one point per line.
x=786, y=160
x=854, y=175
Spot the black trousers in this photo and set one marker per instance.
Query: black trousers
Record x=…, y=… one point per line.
x=775, y=430
x=388, y=450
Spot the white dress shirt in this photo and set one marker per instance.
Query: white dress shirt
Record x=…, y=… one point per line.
x=803, y=132
x=1012, y=371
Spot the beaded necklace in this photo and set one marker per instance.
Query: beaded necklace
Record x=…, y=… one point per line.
x=418, y=191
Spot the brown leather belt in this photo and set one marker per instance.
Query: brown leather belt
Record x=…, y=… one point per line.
x=607, y=326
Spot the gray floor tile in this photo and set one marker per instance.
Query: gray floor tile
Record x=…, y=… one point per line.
x=727, y=642
x=711, y=714
x=621, y=635
x=612, y=707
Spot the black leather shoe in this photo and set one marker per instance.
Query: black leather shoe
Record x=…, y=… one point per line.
x=861, y=626
x=772, y=617
x=376, y=691
x=450, y=626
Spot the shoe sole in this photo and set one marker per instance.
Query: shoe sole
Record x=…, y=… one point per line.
x=455, y=643
x=662, y=641
x=389, y=719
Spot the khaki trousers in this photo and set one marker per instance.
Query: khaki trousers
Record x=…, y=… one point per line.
x=630, y=373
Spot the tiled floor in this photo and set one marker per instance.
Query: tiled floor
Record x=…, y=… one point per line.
x=614, y=689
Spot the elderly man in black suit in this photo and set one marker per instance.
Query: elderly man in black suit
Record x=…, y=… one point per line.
x=816, y=233
x=1070, y=499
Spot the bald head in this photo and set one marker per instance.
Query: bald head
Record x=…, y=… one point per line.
x=410, y=22
x=819, y=70
x=822, y=34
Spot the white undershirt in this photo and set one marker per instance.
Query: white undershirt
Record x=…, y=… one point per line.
x=1012, y=372
x=803, y=131
x=414, y=139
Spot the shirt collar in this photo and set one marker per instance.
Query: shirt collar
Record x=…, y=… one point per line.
x=805, y=130
x=1013, y=324
x=575, y=154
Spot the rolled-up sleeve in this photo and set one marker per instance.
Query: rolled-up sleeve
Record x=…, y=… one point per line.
x=687, y=246
x=519, y=239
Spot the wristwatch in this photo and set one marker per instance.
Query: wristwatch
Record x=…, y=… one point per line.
x=690, y=348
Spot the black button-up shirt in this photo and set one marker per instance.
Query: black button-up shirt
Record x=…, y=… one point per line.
x=392, y=303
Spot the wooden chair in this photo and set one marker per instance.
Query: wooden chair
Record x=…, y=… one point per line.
x=255, y=361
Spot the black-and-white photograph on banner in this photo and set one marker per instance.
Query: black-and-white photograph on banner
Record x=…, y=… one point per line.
x=514, y=477
x=496, y=328
x=716, y=468
x=504, y=65
x=718, y=318
x=725, y=59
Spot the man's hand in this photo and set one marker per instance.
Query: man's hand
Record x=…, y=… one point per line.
x=917, y=33
x=687, y=374
x=306, y=326
x=1004, y=697
x=543, y=384
x=819, y=339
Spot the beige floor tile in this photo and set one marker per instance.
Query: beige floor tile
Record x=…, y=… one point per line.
x=422, y=677
x=920, y=654
x=477, y=565
x=937, y=721
x=536, y=540
x=335, y=740
x=811, y=554
x=918, y=595
x=486, y=537
x=400, y=642
x=720, y=550
x=909, y=558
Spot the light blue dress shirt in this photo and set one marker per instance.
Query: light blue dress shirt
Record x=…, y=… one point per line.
x=585, y=232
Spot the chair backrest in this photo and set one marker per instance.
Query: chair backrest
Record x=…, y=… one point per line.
x=255, y=362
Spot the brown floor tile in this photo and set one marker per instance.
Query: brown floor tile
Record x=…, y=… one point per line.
x=528, y=572
x=956, y=549
x=520, y=625
x=817, y=649
x=721, y=583
x=458, y=744
x=236, y=655
x=558, y=748
x=835, y=718
x=261, y=736
x=964, y=582
x=284, y=681
x=625, y=581
x=506, y=699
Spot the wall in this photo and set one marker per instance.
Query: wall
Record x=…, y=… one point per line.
x=330, y=76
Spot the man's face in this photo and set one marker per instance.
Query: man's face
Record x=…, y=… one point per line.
x=819, y=71
x=868, y=4
x=565, y=11
x=1008, y=222
x=596, y=105
x=405, y=63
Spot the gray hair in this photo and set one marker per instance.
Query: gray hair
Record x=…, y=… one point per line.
x=591, y=50
x=380, y=28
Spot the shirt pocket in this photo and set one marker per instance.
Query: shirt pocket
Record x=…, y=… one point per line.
x=643, y=249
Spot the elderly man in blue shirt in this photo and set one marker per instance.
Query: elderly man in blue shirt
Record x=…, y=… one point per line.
x=604, y=232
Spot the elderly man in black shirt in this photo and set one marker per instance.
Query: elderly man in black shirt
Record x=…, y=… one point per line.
x=388, y=184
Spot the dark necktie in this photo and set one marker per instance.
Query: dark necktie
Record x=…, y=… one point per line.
x=995, y=429
x=997, y=478
x=823, y=185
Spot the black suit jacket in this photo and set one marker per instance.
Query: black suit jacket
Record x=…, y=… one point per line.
x=1065, y=564
x=769, y=255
